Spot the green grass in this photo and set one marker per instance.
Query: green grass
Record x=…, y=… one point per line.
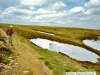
x=59, y=63
x=73, y=36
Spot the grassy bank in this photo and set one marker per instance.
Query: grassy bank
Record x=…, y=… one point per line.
x=58, y=63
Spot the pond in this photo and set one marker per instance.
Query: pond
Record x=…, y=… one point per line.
x=93, y=44
x=72, y=51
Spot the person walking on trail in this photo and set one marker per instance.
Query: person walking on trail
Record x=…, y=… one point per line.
x=0, y=29
x=0, y=25
x=9, y=32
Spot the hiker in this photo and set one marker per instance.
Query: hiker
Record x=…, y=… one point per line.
x=9, y=32
x=0, y=25
x=0, y=29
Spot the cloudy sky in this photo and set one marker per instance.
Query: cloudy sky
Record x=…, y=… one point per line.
x=69, y=13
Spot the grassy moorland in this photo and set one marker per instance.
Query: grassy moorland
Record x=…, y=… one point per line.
x=73, y=36
x=59, y=63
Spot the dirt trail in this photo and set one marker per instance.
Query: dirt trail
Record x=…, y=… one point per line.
x=27, y=59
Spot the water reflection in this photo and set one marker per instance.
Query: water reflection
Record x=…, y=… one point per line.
x=75, y=52
x=92, y=43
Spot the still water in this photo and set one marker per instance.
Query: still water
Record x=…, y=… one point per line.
x=72, y=51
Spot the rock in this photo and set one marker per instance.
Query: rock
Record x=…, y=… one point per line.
x=1, y=42
x=7, y=71
x=9, y=57
x=26, y=72
x=7, y=67
x=1, y=65
x=15, y=65
x=11, y=61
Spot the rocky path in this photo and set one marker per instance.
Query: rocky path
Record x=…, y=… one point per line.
x=26, y=61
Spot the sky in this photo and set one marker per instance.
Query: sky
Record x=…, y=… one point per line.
x=66, y=13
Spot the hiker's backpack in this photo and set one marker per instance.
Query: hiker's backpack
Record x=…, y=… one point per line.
x=9, y=31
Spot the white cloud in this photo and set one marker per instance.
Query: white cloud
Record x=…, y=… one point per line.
x=88, y=12
x=76, y=10
x=0, y=11
x=26, y=17
x=93, y=7
x=15, y=9
x=58, y=5
x=92, y=11
x=92, y=3
x=54, y=13
x=10, y=9
x=46, y=16
x=28, y=11
x=32, y=8
x=32, y=2
x=4, y=13
x=45, y=11
x=84, y=18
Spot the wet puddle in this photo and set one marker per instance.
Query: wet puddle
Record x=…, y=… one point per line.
x=72, y=51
